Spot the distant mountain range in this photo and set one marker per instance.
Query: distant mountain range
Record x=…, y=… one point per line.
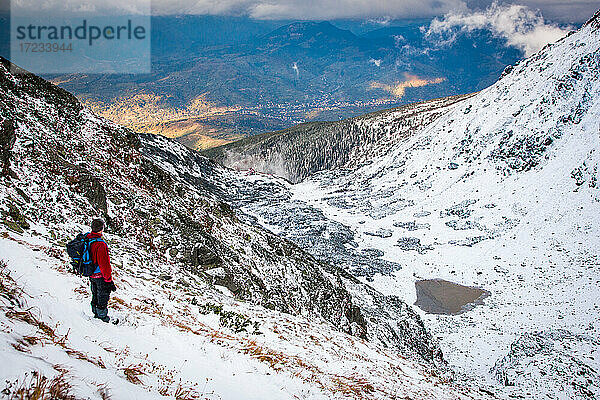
x=216, y=79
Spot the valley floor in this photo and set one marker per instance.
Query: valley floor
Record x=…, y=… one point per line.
x=540, y=277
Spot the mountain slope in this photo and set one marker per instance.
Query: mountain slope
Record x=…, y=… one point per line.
x=302, y=150
x=193, y=275
x=92, y=167
x=500, y=192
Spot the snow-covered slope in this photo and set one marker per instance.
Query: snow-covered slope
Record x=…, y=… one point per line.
x=67, y=166
x=213, y=307
x=500, y=192
x=178, y=342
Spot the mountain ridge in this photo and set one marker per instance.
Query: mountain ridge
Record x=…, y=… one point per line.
x=296, y=153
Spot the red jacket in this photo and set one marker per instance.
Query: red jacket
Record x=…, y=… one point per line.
x=100, y=257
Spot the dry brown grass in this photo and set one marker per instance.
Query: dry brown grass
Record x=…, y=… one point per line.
x=275, y=359
x=118, y=303
x=25, y=342
x=103, y=391
x=82, y=290
x=358, y=388
x=35, y=386
x=20, y=346
x=108, y=348
x=28, y=317
x=186, y=393
x=9, y=290
x=97, y=361
x=347, y=386
x=44, y=332
x=47, y=334
x=133, y=373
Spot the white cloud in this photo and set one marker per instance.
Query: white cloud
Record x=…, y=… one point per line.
x=522, y=27
x=399, y=40
x=556, y=10
x=383, y=21
x=375, y=62
x=332, y=9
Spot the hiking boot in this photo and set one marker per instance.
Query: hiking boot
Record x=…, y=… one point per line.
x=102, y=314
x=104, y=319
x=95, y=311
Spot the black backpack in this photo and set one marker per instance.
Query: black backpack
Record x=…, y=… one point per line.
x=79, y=251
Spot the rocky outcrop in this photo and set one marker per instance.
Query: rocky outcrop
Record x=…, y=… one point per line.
x=7, y=141
x=88, y=185
x=547, y=363
x=253, y=264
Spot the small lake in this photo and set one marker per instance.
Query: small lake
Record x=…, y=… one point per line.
x=437, y=296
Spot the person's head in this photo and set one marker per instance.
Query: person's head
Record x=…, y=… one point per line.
x=98, y=225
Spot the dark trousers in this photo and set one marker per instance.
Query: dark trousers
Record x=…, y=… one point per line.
x=100, y=296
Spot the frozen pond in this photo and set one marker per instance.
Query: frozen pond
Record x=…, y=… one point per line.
x=437, y=296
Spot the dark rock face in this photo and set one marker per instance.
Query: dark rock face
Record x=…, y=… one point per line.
x=394, y=324
x=594, y=22
x=88, y=185
x=14, y=219
x=7, y=141
x=66, y=104
x=411, y=225
x=412, y=243
x=460, y=210
x=278, y=275
x=204, y=257
x=382, y=233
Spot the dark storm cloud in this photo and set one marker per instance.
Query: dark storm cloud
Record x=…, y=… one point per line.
x=313, y=9
x=565, y=11
x=561, y=11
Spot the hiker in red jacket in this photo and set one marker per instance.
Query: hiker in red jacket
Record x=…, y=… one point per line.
x=101, y=280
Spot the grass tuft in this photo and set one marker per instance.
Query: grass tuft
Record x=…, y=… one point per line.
x=183, y=393
x=133, y=372
x=9, y=290
x=35, y=386
x=104, y=392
